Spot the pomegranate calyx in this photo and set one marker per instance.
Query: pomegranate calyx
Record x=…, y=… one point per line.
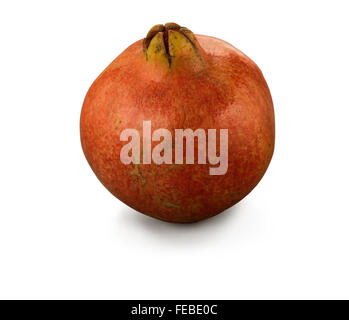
x=173, y=45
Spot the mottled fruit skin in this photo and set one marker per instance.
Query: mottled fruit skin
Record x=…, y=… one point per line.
x=229, y=92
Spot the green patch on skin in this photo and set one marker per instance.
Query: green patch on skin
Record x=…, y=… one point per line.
x=155, y=173
x=136, y=172
x=117, y=123
x=175, y=166
x=170, y=204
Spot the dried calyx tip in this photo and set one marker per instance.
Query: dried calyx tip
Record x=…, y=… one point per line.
x=159, y=28
x=158, y=41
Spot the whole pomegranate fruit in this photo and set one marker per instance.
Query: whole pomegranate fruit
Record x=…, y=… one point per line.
x=174, y=80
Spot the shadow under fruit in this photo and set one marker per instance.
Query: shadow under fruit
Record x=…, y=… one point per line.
x=179, y=80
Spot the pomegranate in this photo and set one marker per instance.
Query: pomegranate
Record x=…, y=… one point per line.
x=171, y=88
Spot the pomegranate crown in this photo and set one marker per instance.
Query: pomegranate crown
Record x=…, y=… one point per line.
x=172, y=45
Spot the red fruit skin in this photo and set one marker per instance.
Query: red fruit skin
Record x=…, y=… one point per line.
x=230, y=93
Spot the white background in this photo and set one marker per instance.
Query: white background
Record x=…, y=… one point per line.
x=62, y=235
